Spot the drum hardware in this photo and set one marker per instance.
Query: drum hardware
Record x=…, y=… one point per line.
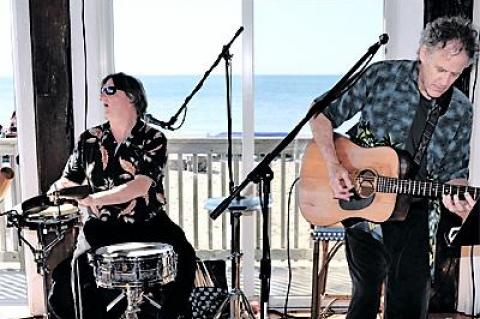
x=135, y=296
x=236, y=299
x=40, y=203
x=44, y=217
x=133, y=267
x=69, y=194
x=43, y=250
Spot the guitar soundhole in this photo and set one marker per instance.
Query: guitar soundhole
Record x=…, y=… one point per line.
x=365, y=183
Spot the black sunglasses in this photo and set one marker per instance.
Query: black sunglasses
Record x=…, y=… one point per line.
x=108, y=90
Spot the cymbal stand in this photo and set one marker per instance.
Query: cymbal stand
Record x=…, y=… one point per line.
x=236, y=299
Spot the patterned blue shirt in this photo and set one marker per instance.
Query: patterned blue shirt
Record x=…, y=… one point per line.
x=387, y=98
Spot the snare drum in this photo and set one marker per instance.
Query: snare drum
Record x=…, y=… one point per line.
x=134, y=265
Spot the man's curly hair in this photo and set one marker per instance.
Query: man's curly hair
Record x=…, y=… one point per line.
x=442, y=30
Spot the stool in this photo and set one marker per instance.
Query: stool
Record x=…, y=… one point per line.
x=319, y=276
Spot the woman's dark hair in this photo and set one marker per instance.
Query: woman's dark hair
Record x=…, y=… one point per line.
x=132, y=87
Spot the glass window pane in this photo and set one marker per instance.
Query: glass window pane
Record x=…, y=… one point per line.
x=6, y=71
x=302, y=47
x=169, y=45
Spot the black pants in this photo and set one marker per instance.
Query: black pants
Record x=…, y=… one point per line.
x=402, y=261
x=173, y=296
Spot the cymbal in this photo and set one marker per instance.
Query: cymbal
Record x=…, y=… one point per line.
x=36, y=204
x=55, y=211
x=42, y=203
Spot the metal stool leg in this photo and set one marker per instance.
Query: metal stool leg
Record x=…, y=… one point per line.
x=76, y=289
x=315, y=302
x=324, y=270
x=236, y=299
x=319, y=277
x=322, y=235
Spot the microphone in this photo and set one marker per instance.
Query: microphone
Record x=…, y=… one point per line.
x=75, y=192
x=383, y=39
x=150, y=119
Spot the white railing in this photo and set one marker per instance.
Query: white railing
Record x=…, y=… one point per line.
x=197, y=170
x=8, y=236
x=203, y=174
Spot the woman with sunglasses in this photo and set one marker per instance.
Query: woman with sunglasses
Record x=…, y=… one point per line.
x=122, y=161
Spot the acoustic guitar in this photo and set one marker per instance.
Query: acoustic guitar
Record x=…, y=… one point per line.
x=382, y=190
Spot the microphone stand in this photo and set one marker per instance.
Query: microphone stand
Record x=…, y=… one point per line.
x=183, y=108
x=262, y=173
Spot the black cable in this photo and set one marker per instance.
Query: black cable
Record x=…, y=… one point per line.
x=355, y=77
x=228, y=74
x=475, y=77
x=228, y=81
x=85, y=77
x=349, y=83
x=473, y=280
x=183, y=108
x=184, y=117
x=266, y=243
x=289, y=284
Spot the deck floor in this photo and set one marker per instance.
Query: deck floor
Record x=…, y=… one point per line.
x=13, y=288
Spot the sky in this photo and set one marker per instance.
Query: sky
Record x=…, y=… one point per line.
x=5, y=39
x=186, y=36
x=291, y=36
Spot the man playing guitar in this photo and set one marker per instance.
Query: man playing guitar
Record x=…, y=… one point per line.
x=395, y=99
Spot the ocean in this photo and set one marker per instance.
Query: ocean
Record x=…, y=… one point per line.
x=281, y=101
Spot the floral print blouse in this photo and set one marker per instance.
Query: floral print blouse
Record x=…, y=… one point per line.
x=103, y=163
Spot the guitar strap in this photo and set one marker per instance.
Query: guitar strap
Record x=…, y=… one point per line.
x=438, y=107
x=431, y=123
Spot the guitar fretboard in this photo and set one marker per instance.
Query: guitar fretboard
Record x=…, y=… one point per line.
x=430, y=189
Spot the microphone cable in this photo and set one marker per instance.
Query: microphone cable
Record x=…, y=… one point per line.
x=289, y=261
x=85, y=70
x=475, y=77
x=228, y=82
x=472, y=269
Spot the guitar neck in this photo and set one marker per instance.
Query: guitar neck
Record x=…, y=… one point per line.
x=428, y=189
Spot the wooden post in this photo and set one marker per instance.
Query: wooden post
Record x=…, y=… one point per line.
x=51, y=66
x=53, y=116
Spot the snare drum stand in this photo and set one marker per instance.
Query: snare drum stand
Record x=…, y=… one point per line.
x=239, y=305
x=134, y=297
